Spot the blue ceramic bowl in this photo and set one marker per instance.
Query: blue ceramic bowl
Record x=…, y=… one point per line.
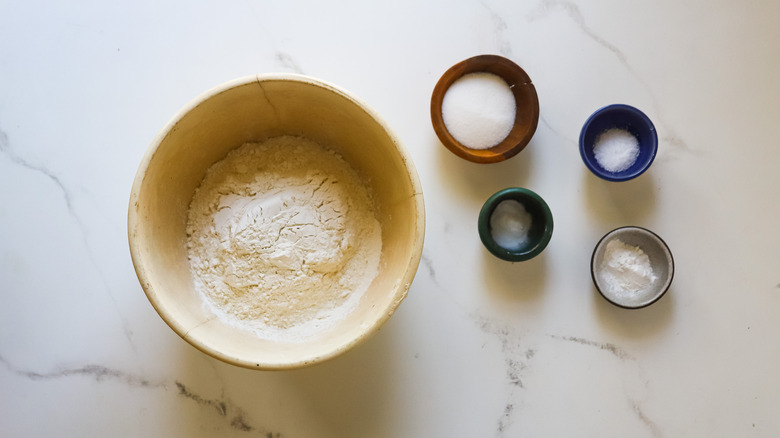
x=622, y=117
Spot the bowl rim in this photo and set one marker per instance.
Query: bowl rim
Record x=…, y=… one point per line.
x=134, y=223
x=520, y=82
x=483, y=224
x=594, y=167
x=656, y=237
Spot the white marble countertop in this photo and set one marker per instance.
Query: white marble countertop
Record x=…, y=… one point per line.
x=481, y=347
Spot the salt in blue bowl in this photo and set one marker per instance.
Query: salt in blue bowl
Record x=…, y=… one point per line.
x=622, y=117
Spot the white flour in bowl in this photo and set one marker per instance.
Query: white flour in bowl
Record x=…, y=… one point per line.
x=283, y=238
x=626, y=271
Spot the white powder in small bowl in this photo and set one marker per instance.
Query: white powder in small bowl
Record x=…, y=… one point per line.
x=616, y=149
x=479, y=110
x=625, y=271
x=509, y=224
x=283, y=238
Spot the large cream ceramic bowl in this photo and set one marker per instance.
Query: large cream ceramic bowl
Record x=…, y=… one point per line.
x=252, y=109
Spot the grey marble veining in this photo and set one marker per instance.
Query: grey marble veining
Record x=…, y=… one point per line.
x=68, y=197
x=14, y=157
x=97, y=372
x=503, y=44
x=287, y=62
x=607, y=346
x=517, y=358
x=233, y=415
x=480, y=347
x=572, y=10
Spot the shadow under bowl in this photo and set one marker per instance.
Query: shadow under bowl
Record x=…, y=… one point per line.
x=661, y=261
x=539, y=233
x=526, y=114
x=624, y=117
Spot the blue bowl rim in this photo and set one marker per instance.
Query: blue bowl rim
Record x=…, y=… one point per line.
x=594, y=167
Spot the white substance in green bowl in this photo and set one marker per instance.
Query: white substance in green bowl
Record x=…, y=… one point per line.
x=509, y=224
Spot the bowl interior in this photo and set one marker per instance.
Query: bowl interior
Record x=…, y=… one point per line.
x=660, y=259
x=540, y=231
x=621, y=117
x=252, y=109
x=526, y=101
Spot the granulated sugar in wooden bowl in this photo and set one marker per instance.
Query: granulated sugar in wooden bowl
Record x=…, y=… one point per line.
x=276, y=222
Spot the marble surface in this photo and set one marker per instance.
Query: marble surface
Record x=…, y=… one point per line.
x=480, y=347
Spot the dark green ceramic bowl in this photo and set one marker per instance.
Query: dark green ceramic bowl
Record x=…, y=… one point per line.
x=539, y=233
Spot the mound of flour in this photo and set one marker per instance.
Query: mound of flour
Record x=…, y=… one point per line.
x=283, y=238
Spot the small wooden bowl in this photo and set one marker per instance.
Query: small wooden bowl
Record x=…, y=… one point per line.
x=526, y=116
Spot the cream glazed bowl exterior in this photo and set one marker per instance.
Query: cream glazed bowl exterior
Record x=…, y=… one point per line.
x=251, y=109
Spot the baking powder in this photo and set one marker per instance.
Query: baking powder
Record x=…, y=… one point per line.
x=625, y=270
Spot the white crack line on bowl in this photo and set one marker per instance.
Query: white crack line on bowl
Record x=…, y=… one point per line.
x=210, y=318
x=8, y=151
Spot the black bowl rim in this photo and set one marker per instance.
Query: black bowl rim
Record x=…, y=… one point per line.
x=642, y=229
